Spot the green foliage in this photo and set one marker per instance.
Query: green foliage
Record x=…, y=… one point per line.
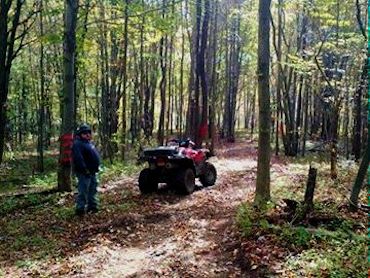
x=21, y=171
x=46, y=181
x=52, y=38
x=7, y=205
x=64, y=213
x=250, y=218
x=15, y=226
x=41, y=245
x=300, y=65
x=245, y=219
x=118, y=168
x=120, y=207
x=32, y=199
x=336, y=258
x=328, y=244
x=10, y=204
x=295, y=236
x=24, y=263
x=22, y=242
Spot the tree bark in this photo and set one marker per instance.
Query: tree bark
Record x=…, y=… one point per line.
x=40, y=145
x=214, y=81
x=124, y=83
x=279, y=77
x=163, y=57
x=203, y=76
x=263, y=163
x=358, y=116
x=7, y=55
x=310, y=188
x=358, y=184
x=66, y=139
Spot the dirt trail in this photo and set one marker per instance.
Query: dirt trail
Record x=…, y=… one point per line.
x=171, y=235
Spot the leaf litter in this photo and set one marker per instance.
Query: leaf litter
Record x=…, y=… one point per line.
x=163, y=235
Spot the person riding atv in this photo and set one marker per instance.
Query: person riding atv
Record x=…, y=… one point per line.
x=177, y=164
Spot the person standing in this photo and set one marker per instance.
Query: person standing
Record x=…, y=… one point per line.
x=86, y=161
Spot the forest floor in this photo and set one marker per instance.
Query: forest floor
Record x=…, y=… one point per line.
x=206, y=234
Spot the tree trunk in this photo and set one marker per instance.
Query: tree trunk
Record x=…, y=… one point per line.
x=195, y=100
x=7, y=39
x=115, y=71
x=66, y=139
x=163, y=57
x=305, y=117
x=361, y=174
x=310, y=188
x=214, y=81
x=203, y=128
x=124, y=83
x=263, y=163
x=40, y=145
x=279, y=77
x=169, y=86
x=181, y=104
x=358, y=110
x=253, y=104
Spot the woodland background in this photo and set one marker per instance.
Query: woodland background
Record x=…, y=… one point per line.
x=292, y=75
x=151, y=69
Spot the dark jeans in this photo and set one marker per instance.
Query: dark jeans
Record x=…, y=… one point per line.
x=87, y=189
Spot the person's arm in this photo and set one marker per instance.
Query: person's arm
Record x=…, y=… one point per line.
x=78, y=158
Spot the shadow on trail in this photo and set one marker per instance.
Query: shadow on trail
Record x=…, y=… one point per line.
x=126, y=219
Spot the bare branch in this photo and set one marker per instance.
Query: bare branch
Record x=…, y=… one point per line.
x=359, y=20
x=25, y=20
x=25, y=30
x=320, y=68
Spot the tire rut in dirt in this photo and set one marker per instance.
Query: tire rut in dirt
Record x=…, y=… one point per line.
x=157, y=218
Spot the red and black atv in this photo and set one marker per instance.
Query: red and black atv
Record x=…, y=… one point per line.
x=177, y=164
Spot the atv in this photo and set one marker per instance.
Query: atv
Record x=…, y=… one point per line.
x=177, y=164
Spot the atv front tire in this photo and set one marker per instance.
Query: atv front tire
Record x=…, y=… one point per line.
x=186, y=181
x=148, y=181
x=209, y=176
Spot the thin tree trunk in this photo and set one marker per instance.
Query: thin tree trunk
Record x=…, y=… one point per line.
x=358, y=113
x=203, y=78
x=358, y=184
x=305, y=119
x=7, y=39
x=124, y=83
x=40, y=145
x=169, y=85
x=181, y=106
x=195, y=100
x=140, y=116
x=253, y=103
x=163, y=55
x=214, y=81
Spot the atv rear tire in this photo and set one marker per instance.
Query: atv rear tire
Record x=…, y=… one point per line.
x=186, y=181
x=148, y=181
x=209, y=176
